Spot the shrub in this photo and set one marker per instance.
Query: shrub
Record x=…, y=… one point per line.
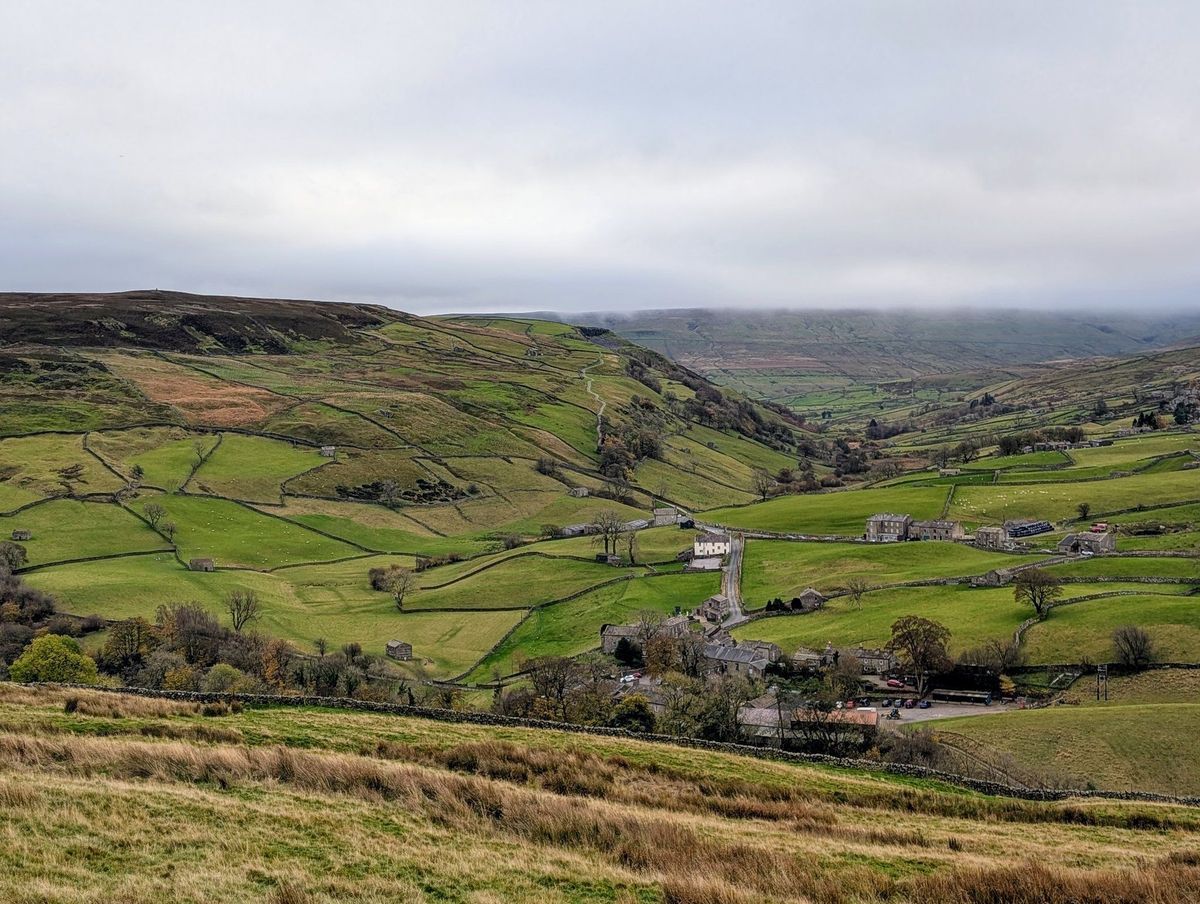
x=54, y=657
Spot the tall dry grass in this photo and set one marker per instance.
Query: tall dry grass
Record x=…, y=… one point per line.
x=691, y=863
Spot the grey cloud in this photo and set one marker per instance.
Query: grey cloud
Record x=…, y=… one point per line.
x=583, y=156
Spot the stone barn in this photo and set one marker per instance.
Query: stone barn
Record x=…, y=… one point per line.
x=22, y=534
x=1090, y=542
x=398, y=649
x=202, y=565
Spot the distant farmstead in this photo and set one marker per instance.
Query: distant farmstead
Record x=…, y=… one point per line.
x=664, y=517
x=710, y=544
x=888, y=528
x=991, y=538
x=398, y=649
x=935, y=530
x=329, y=451
x=811, y=599
x=22, y=534
x=201, y=565
x=1090, y=542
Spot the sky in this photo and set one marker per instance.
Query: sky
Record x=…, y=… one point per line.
x=605, y=156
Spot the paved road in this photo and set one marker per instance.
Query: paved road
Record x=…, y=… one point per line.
x=731, y=582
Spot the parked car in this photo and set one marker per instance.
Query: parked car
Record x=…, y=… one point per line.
x=924, y=704
x=895, y=682
x=887, y=703
x=910, y=704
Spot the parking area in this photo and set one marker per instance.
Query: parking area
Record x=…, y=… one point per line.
x=945, y=711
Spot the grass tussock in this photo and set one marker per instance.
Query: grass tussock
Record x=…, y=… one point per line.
x=1166, y=882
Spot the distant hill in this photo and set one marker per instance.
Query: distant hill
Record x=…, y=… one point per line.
x=890, y=344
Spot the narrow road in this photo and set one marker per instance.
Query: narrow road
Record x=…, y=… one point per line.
x=731, y=581
x=583, y=372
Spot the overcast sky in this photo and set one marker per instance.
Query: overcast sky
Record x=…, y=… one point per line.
x=571, y=155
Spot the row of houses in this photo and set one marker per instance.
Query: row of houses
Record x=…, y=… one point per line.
x=887, y=527
x=874, y=661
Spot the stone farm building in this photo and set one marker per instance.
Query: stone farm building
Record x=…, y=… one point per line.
x=612, y=635
x=887, y=527
x=201, y=565
x=735, y=660
x=991, y=538
x=710, y=544
x=811, y=599
x=22, y=534
x=398, y=649
x=329, y=451
x=936, y=530
x=715, y=609
x=663, y=517
x=578, y=492
x=1093, y=542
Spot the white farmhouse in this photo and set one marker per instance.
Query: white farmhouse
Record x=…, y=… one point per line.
x=707, y=545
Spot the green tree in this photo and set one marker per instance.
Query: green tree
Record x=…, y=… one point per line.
x=633, y=714
x=54, y=657
x=1084, y=509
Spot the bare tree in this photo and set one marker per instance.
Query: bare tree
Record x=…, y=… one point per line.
x=921, y=643
x=606, y=530
x=855, y=588
x=321, y=645
x=763, y=483
x=389, y=493
x=1037, y=588
x=399, y=582
x=243, y=607
x=631, y=546
x=154, y=513
x=1134, y=646
x=167, y=529
x=198, y=451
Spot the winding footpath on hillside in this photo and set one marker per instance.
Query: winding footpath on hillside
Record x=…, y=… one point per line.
x=588, y=380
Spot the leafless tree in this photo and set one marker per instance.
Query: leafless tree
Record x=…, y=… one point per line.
x=321, y=645
x=399, y=582
x=389, y=493
x=855, y=588
x=1134, y=646
x=1037, y=588
x=167, y=529
x=631, y=546
x=154, y=513
x=606, y=530
x=243, y=607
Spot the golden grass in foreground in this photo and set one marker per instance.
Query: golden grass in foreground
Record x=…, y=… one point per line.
x=322, y=806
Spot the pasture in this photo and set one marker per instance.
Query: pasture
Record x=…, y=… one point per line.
x=842, y=513
x=69, y=529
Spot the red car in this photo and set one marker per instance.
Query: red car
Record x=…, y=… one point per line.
x=895, y=682
x=910, y=703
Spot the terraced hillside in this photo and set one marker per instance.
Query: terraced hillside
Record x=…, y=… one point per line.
x=141, y=799
x=299, y=445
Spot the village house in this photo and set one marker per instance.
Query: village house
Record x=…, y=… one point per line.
x=329, y=451
x=808, y=658
x=578, y=492
x=949, y=472
x=201, y=565
x=874, y=661
x=612, y=635
x=887, y=527
x=936, y=530
x=715, y=609
x=734, y=660
x=991, y=538
x=398, y=649
x=1092, y=542
x=22, y=534
x=811, y=599
x=765, y=649
x=664, y=517
x=710, y=544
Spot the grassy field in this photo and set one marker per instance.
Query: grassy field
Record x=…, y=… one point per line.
x=236, y=535
x=573, y=627
x=290, y=805
x=166, y=455
x=840, y=513
x=1057, y=501
x=32, y=467
x=68, y=529
x=1085, y=629
x=514, y=582
x=1140, y=738
x=1130, y=566
x=253, y=468
x=783, y=568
